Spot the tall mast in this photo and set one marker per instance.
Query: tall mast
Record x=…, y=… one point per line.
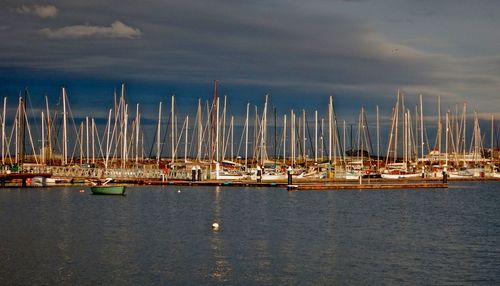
x=246, y=136
x=292, y=137
x=93, y=142
x=223, y=141
x=186, y=139
x=158, y=138
x=22, y=126
x=275, y=137
x=213, y=121
x=284, y=138
x=108, y=147
x=49, y=131
x=125, y=149
x=422, y=128
x=3, y=129
x=440, y=128
x=232, y=136
x=172, y=133
x=378, y=140
x=124, y=126
x=81, y=143
x=492, y=133
x=304, y=136
x=65, y=134
x=200, y=130
x=322, y=144
x=396, y=129
x=465, y=132
x=43, y=142
x=263, y=138
x=217, y=127
x=330, y=130
x=344, y=141
x=446, y=139
x=316, y=136
x=137, y=125
x=87, y=137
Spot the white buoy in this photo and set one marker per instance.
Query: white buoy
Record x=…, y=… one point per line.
x=178, y=191
x=215, y=226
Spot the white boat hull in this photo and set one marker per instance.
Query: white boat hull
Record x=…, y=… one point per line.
x=400, y=176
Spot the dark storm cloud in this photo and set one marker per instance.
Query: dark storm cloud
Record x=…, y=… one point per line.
x=322, y=47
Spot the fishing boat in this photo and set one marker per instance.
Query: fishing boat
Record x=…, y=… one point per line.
x=105, y=189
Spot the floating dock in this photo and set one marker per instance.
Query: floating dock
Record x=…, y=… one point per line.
x=375, y=186
x=304, y=185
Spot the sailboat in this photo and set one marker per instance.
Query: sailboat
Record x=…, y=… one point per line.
x=404, y=169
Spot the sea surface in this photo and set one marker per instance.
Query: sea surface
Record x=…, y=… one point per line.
x=267, y=236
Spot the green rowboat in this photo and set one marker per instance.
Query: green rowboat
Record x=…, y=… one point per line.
x=108, y=190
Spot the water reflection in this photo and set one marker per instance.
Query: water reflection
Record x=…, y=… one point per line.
x=221, y=268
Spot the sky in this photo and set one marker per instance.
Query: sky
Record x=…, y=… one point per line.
x=299, y=52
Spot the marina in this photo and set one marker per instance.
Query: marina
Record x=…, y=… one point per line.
x=298, y=148
x=249, y=142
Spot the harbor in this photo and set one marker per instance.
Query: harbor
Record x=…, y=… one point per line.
x=318, y=150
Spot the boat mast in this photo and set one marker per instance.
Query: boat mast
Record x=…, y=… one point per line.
x=344, y=138
x=65, y=134
x=246, y=136
x=378, y=141
x=422, y=129
x=42, y=153
x=284, y=139
x=232, y=137
x=292, y=137
x=3, y=129
x=315, y=136
x=492, y=132
x=93, y=141
x=213, y=122
x=330, y=130
x=87, y=137
x=137, y=124
x=186, y=139
x=158, y=140
x=217, y=126
x=465, y=132
x=172, y=133
x=200, y=130
x=440, y=128
x=108, y=138
x=81, y=143
x=275, y=138
x=446, y=140
x=125, y=132
x=223, y=141
x=304, y=136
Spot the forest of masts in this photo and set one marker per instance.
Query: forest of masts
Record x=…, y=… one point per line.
x=296, y=139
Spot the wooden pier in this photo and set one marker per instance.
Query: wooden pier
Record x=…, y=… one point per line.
x=374, y=186
x=297, y=186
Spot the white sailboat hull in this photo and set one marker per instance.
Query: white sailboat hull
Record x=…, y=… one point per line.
x=400, y=176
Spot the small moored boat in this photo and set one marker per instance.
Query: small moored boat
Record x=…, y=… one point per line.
x=108, y=190
x=105, y=189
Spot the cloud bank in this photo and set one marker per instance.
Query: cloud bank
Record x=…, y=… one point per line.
x=116, y=30
x=42, y=11
x=358, y=50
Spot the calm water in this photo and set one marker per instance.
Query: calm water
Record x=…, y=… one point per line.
x=156, y=235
